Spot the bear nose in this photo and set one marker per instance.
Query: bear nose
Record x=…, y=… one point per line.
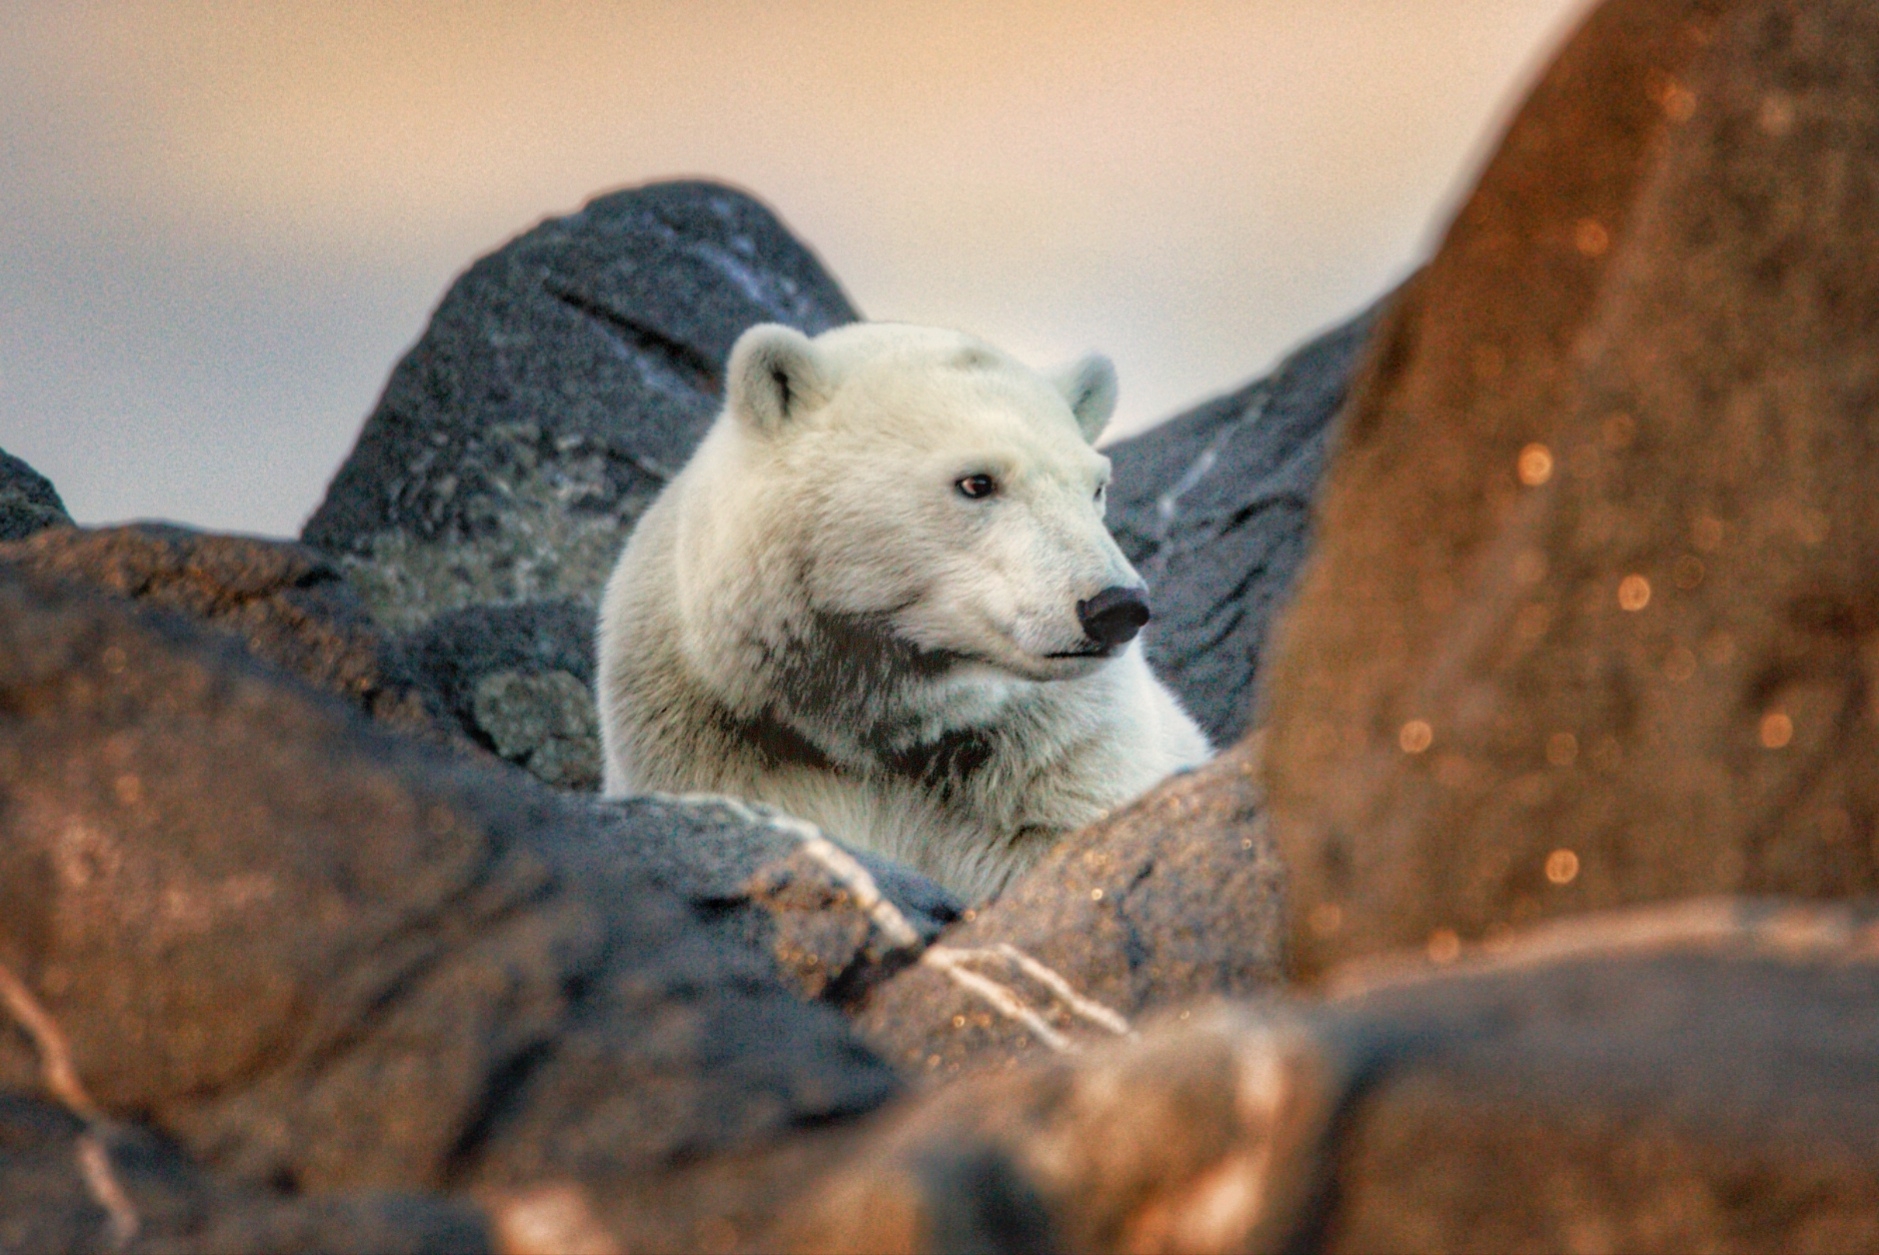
x=1113, y=616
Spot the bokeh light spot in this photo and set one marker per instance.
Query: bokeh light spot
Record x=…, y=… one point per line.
x=1534, y=465
x=1562, y=867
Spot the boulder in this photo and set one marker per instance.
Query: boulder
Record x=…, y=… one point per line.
x=325, y=960
x=284, y=602
x=1175, y=898
x=1696, y=1077
x=1692, y=1077
x=28, y=501
x=1214, y=509
x=562, y=381
x=1591, y=615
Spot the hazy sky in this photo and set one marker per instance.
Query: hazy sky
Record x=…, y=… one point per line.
x=221, y=224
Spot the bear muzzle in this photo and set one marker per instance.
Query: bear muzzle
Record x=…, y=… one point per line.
x=1112, y=617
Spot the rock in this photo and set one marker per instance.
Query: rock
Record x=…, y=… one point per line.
x=1197, y=1137
x=1696, y=1077
x=1214, y=509
x=1173, y=899
x=546, y=723
x=319, y=958
x=28, y=501
x=51, y=1201
x=518, y=680
x=285, y=602
x=1590, y=620
x=836, y=922
x=561, y=382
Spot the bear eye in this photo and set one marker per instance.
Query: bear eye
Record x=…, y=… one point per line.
x=1100, y=489
x=976, y=486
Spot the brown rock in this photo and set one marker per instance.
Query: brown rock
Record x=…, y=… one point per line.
x=1592, y=620
x=321, y=960
x=1202, y=1136
x=284, y=601
x=1176, y=897
x=1695, y=1077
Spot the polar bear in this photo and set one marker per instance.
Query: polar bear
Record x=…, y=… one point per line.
x=880, y=597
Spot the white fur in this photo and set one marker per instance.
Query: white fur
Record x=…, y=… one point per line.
x=813, y=615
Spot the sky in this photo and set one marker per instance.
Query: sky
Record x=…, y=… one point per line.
x=222, y=224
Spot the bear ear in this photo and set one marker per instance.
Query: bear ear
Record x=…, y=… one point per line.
x=775, y=374
x=1090, y=388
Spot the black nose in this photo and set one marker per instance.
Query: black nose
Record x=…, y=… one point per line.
x=1113, y=616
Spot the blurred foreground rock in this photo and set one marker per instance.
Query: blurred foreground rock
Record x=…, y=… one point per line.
x=1214, y=509
x=563, y=379
x=319, y=958
x=286, y=604
x=1592, y=617
x=1689, y=1078
x=28, y=501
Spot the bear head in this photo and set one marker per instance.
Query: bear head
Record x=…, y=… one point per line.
x=901, y=524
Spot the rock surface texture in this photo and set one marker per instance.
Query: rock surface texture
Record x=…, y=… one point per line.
x=563, y=379
x=1175, y=898
x=518, y=679
x=28, y=501
x=318, y=957
x=286, y=603
x=1214, y=509
x=1592, y=619
x=1696, y=1077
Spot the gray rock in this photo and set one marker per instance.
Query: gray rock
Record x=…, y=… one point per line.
x=545, y=723
x=563, y=379
x=518, y=680
x=1214, y=509
x=28, y=501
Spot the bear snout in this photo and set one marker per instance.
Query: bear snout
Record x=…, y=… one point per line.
x=1112, y=617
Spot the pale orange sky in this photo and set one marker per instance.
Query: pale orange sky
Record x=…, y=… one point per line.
x=221, y=224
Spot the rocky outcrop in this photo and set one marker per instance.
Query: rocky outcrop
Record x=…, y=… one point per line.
x=1214, y=509
x=28, y=501
x=563, y=379
x=1592, y=614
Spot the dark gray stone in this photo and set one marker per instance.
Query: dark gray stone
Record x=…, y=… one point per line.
x=518, y=679
x=28, y=501
x=1214, y=509
x=563, y=379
